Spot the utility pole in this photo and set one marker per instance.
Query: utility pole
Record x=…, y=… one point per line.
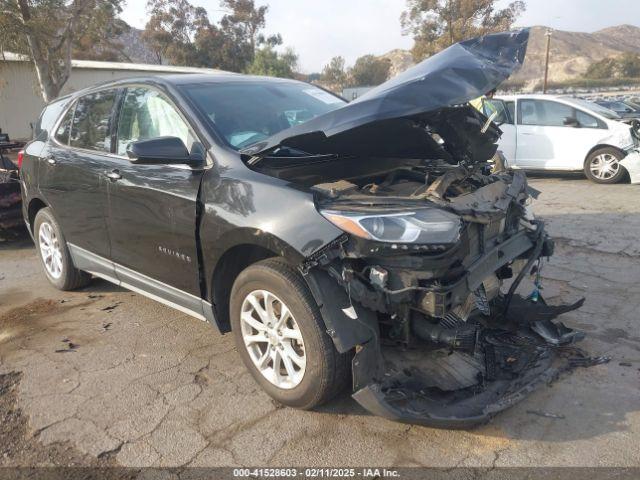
x=547, y=34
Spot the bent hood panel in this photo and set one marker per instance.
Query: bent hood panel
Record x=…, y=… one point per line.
x=454, y=76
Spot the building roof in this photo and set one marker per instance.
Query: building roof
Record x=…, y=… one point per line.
x=97, y=65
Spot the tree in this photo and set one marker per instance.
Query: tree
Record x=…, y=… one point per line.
x=245, y=19
x=171, y=29
x=100, y=39
x=47, y=30
x=629, y=65
x=602, y=69
x=369, y=70
x=334, y=74
x=626, y=65
x=267, y=61
x=183, y=34
x=436, y=24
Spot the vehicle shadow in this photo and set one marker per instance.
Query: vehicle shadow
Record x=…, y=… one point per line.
x=99, y=285
x=563, y=176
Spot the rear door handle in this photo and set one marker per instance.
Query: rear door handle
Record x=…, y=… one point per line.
x=114, y=175
x=51, y=160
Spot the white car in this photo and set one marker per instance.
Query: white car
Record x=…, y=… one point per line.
x=546, y=132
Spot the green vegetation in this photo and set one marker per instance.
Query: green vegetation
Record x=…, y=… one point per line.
x=367, y=70
x=50, y=32
x=436, y=24
x=625, y=66
x=182, y=34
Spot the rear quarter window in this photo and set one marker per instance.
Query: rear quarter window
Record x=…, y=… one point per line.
x=48, y=118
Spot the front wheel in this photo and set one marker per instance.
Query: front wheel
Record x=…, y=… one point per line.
x=603, y=166
x=54, y=253
x=281, y=337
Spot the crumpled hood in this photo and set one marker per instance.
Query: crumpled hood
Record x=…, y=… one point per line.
x=454, y=76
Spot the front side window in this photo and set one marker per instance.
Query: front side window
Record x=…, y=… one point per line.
x=499, y=109
x=247, y=112
x=91, y=126
x=147, y=114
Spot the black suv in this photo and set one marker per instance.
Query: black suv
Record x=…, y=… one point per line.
x=363, y=242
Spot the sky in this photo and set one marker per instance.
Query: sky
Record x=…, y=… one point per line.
x=321, y=29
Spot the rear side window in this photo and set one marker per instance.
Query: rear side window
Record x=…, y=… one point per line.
x=91, y=125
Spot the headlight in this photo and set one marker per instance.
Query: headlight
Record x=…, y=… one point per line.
x=426, y=225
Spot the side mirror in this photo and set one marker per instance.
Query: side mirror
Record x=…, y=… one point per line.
x=160, y=151
x=571, y=122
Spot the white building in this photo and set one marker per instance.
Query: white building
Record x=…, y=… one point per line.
x=20, y=98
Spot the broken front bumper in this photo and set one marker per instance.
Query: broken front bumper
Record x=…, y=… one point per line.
x=440, y=300
x=444, y=387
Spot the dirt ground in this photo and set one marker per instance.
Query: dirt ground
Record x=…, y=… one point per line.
x=105, y=377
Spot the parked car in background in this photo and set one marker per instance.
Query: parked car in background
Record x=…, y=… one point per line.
x=545, y=132
x=626, y=110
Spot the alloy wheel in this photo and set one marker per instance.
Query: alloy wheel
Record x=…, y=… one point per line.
x=50, y=250
x=604, y=166
x=273, y=339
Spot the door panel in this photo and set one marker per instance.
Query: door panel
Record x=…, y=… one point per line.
x=152, y=208
x=152, y=223
x=72, y=178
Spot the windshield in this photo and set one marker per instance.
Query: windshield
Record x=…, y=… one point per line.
x=245, y=113
x=594, y=107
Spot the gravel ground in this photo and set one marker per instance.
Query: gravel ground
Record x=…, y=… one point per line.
x=105, y=377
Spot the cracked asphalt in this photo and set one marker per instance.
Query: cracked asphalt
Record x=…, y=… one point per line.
x=105, y=375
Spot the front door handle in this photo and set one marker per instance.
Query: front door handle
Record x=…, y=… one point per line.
x=51, y=160
x=114, y=175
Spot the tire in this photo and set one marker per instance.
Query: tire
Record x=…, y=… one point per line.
x=593, y=166
x=326, y=372
x=60, y=270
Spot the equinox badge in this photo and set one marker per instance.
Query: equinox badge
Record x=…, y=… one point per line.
x=174, y=253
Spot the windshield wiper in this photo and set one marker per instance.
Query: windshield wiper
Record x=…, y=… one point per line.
x=286, y=156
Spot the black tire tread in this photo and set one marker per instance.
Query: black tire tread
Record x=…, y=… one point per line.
x=338, y=365
x=73, y=278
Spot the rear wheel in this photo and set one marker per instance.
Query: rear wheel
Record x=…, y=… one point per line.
x=54, y=253
x=281, y=337
x=603, y=166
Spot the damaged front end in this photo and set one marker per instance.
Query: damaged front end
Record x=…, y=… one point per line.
x=437, y=238
x=428, y=273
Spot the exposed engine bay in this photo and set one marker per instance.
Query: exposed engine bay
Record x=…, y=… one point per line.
x=423, y=283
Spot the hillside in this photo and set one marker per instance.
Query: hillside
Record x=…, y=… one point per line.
x=571, y=52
